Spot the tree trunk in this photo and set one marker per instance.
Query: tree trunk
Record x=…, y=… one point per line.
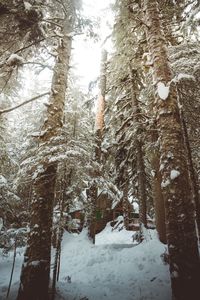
x=36, y=268
x=141, y=185
x=125, y=203
x=34, y=279
x=99, y=127
x=158, y=197
x=139, y=153
x=193, y=179
x=179, y=205
x=59, y=229
x=92, y=197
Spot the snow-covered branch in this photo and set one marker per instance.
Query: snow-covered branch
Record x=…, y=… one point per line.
x=23, y=103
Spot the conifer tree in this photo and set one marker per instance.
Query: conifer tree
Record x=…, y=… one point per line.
x=127, y=87
x=92, y=191
x=179, y=207
x=36, y=268
x=139, y=151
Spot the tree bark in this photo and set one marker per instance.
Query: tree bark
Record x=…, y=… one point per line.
x=125, y=203
x=158, y=197
x=192, y=174
x=34, y=280
x=179, y=205
x=36, y=268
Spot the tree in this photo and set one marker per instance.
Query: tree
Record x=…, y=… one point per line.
x=126, y=84
x=92, y=192
x=179, y=207
x=36, y=268
x=139, y=151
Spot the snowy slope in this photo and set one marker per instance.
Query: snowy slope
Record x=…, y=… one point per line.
x=113, y=269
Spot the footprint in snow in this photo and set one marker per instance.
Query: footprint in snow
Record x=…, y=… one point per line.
x=140, y=267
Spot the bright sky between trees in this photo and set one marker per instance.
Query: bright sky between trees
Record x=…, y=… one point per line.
x=87, y=53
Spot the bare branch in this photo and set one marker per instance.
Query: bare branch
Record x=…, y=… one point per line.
x=53, y=23
x=37, y=63
x=30, y=45
x=23, y=103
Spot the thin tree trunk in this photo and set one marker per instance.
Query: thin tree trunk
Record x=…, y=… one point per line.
x=179, y=205
x=58, y=270
x=60, y=230
x=36, y=268
x=13, y=267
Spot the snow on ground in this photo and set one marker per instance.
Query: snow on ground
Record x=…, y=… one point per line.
x=113, y=269
x=5, y=271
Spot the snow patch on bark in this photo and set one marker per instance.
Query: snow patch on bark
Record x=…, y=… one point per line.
x=161, y=167
x=174, y=174
x=162, y=90
x=165, y=183
x=34, y=263
x=27, y=5
x=185, y=76
x=174, y=274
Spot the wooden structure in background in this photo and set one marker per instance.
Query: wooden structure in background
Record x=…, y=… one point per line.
x=106, y=212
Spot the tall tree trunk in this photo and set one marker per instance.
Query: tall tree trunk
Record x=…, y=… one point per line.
x=99, y=127
x=179, y=205
x=36, y=268
x=139, y=153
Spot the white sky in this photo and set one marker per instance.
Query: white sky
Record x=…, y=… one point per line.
x=87, y=54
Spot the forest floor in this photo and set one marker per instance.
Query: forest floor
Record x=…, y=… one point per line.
x=114, y=268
